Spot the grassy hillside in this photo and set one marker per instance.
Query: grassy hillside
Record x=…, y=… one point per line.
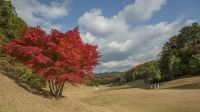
x=15, y=99
x=98, y=99
x=183, y=83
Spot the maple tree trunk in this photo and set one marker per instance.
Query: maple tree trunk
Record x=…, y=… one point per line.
x=56, y=89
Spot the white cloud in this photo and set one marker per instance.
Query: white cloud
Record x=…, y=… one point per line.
x=147, y=42
x=123, y=45
x=116, y=65
x=99, y=25
x=36, y=13
x=120, y=46
x=141, y=10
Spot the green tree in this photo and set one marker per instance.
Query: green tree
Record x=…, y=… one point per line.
x=188, y=45
x=181, y=54
x=148, y=71
x=152, y=72
x=170, y=60
x=195, y=63
x=10, y=24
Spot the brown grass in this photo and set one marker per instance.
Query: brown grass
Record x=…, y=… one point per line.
x=184, y=83
x=90, y=99
x=16, y=99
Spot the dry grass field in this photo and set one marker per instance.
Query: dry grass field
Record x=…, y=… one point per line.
x=174, y=96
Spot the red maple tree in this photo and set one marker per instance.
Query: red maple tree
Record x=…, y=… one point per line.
x=58, y=57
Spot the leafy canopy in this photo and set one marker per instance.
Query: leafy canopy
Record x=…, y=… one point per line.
x=181, y=54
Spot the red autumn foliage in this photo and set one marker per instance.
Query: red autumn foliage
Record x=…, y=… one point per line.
x=58, y=57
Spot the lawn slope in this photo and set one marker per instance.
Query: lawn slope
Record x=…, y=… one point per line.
x=183, y=83
x=16, y=99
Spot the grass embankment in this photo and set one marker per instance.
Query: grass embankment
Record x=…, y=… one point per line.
x=16, y=99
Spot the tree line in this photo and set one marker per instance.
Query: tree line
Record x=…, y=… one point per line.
x=179, y=56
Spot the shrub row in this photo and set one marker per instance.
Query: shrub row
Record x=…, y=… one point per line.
x=20, y=72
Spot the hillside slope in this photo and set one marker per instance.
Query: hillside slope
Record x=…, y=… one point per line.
x=183, y=83
x=15, y=99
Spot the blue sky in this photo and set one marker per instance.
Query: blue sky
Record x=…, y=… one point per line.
x=128, y=32
x=186, y=9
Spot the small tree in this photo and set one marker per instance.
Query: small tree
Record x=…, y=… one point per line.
x=195, y=63
x=152, y=72
x=59, y=57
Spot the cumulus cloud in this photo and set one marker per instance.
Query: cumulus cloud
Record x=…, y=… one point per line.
x=99, y=25
x=141, y=10
x=120, y=46
x=115, y=65
x=36, y=13
x=123, y=45
x=147, y=42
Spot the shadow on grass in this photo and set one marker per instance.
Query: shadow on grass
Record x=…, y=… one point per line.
x=121, y=87
x=124, y=87
x=40, y=92
x=133, y=84
x=187, y=86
